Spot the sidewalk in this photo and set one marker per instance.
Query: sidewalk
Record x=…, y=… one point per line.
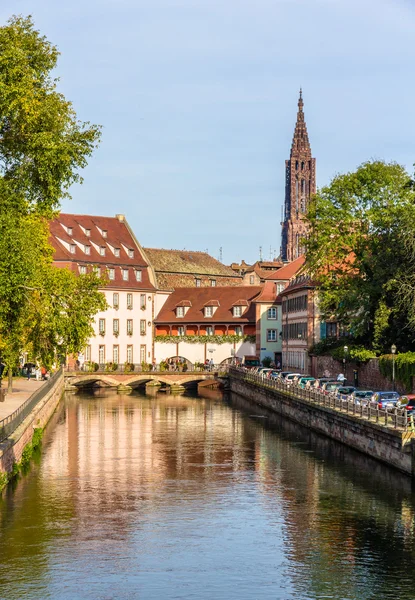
x=22, y=390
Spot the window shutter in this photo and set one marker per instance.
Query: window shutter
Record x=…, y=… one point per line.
x=323, y=330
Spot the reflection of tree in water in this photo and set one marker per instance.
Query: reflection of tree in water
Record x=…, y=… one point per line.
x=349, y=518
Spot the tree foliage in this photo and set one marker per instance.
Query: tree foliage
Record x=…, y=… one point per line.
x=360, y=255
x=42, y=148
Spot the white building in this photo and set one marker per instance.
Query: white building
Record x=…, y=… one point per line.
x=124, y=332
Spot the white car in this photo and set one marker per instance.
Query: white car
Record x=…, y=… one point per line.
x=291, y=378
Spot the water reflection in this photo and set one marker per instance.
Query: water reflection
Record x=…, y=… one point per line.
x=182, y=497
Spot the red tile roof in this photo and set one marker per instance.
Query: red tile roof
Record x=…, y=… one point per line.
x=187, y=261
x=226, y=297
x=286, y=272
x=109, y=233
x=268, y=294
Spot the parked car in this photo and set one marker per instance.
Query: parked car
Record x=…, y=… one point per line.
x=331, y=387
x=290, y=378
x=274, y=374
x=385, y=399
x=362, y=396
x=283, y=374
x=408, y=402
x=322, y=380
x=303, y=381
x=345, y=392
x=264, y=372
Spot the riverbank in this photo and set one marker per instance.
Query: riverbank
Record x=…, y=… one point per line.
x=25, y=415
x=392, y=446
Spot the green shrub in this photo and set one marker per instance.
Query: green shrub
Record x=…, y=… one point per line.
x=266, y=362
x=404, y=367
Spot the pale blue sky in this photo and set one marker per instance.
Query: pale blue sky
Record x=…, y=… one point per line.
x=198, y=101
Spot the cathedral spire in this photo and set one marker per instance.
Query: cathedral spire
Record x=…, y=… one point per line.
x=300, y=186
x=300, y=138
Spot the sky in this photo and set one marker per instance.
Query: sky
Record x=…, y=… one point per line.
x=198, y=100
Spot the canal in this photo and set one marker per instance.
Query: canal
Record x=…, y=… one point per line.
x=161, y=497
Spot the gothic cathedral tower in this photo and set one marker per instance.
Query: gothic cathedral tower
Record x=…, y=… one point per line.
x=300, y=185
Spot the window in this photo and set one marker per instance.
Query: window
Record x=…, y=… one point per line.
x=331, y=330
x=130, y=356
x=116, y=326
x=104, y=233
x=115, y=300
x=101, y=355
x=124, y=274
x=280, y=287
x=142, y=327
x=70, y=231
x=181, y=331
x=238, y=330
x=213, y=282
x=271, y=335
x=72, y=248
x=111, y=274
x=97, y=271
x=208, y=311
x=210, y=330
x=237, y=311
x=130, y=253
x=180, y=311
x=139, y=276
x=142, y=301
x=142, y=353
x=129, y=327
x=102, y=250
x=82, y=270
x=197, y=282
x=87, y=249
x=272, y=313
x=101, y=326
x=116, y=354
x=129, y=301
x=88, y=232
x=251, y=280
x=117, y=252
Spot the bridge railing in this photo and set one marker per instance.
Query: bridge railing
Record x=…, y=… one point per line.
x=130, y=369
x=9, y=424
x=394, y=417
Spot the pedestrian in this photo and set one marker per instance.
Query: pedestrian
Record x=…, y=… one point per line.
x=154, y=364
x=37, y=373
x=211, y=364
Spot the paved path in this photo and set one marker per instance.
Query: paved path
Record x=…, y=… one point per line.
x=22, y=390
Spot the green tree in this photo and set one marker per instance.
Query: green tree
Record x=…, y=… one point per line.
x=358, y=254
x=42, y=148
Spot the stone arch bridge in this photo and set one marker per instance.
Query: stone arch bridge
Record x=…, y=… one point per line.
x=79, y=379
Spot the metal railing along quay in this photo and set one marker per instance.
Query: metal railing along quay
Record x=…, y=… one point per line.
x=9, y=424
x=395, y=417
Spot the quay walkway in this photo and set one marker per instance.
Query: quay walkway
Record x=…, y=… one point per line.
x=22, y=390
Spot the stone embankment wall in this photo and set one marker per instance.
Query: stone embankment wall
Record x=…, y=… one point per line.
x=11, y=449
x=391, y=446
x=369, y=374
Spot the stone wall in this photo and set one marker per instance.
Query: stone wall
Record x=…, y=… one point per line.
x=11, y=449
x=391, y=446
x=369, y=376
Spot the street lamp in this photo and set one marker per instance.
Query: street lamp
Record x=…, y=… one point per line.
x=345, y=351
x=393, y=350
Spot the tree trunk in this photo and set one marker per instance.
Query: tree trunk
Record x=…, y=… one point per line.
x=10, y=381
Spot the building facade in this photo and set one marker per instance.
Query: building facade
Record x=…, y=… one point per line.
x=124, y=332
x=300, y=186
x=268, y=324
x=199, y=324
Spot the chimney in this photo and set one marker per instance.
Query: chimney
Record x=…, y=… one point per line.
x=121, y=218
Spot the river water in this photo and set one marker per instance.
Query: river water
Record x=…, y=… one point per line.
x=162, y=497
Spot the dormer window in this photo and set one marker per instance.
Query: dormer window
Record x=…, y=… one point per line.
x=213, y=282
x=139, y=276
x=87, y=249
x=70, y=231
x=237, y=311
x=82, y=269
x=130, y=253
x=102, y=250
x=72, y=248
x=111, y=274
x=208, y=311
x=97, y=271
x=88, y=232
x=117, y=252
x=198, y=282
x=124, y=274
x=104, y=233
x=180, y=312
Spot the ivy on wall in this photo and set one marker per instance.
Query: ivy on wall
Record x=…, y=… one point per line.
x=404, y=367
x=204, y=339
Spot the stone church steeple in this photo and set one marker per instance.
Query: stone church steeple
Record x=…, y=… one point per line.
x=300, y=185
